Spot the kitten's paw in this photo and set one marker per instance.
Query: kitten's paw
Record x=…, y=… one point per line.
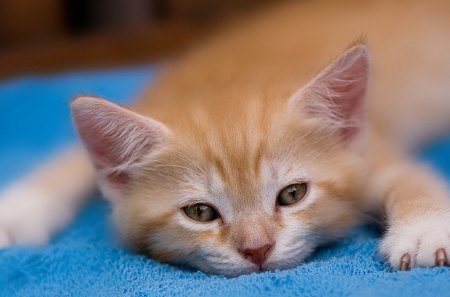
x=4, y=240
x=27, y=216
x=424, y=243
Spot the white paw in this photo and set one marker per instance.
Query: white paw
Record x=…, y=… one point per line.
x=422, y=243
x=4, y=240
x=28, y=216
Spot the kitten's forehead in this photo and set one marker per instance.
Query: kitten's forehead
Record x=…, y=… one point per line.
x=246, y=174
x=245, y=156
x=245, y=191
x=233, y=140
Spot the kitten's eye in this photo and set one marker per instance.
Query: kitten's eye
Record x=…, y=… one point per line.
x=292, y=194
x=201, y=212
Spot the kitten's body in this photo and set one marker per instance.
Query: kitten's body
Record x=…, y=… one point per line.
x=230, y=138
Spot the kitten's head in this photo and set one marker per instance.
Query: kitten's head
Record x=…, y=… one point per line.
x=235, y=190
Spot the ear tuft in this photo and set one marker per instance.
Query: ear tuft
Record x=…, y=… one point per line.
x=115, y=137
x=336, y=96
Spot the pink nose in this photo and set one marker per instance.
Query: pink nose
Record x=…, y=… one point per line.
x=258, y=255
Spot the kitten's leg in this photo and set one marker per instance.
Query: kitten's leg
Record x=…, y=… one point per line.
x=417, y=208
x=45, y=201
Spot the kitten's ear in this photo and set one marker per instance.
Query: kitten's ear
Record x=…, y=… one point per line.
x=336, y=96
x=115, y=137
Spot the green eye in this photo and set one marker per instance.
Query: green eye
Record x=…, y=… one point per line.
x=292, y=194
x=201, y=212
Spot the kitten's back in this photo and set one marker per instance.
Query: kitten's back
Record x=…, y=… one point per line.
x=269, y=56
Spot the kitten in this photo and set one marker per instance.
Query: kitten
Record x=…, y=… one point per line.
x=235, y=162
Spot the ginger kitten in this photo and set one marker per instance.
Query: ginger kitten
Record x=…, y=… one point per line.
x=237, y=161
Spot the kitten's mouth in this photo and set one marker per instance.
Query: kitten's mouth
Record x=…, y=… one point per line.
x=263, y=268
x=255, y=268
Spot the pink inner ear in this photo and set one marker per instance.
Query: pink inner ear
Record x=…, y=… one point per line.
x=118, y=178
x=337, y=94
x=121, y=141
x=114, y=136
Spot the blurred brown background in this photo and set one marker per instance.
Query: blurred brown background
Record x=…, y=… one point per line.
x=45, y=36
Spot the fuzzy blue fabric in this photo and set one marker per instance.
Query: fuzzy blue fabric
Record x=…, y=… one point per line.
x=87, y=260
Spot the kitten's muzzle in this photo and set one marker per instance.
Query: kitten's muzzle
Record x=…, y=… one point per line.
x=254, y=238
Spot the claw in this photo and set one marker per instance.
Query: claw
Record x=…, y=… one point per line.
x=405, y=262
x=441, y=257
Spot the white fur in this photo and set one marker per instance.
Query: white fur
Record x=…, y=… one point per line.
x=226, y=259
x=420, y=239
x=43, y=202
x=28, y=215
x=4, y=239
x=293, y=245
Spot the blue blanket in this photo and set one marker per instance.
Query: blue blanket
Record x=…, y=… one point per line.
x=87, y=260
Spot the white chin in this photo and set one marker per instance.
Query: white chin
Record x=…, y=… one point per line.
x=284, y=263
x=233, y=272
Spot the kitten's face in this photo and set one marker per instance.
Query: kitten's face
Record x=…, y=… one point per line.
x=233, y=186
x=256, y=189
